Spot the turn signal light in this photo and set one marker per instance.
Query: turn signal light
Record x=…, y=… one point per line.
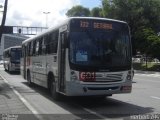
x=126, y=88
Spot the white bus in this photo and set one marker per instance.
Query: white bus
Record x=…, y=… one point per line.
x=11, y=58
x=83, y=56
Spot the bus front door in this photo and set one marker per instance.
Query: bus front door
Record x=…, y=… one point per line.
x=61, y=65
x=24, y=62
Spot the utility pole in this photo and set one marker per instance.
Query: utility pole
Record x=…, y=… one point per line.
x=3, y=18
x=46, y=13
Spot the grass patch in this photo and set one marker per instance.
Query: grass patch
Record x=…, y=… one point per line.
x=150, y=66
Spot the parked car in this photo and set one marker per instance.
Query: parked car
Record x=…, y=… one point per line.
x=155, y=60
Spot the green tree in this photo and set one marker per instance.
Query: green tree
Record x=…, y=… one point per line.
x=155, y=45
x=148, y=42
x=3, y=18
x=137, y=13
x=96, y=12
x=107, y=9
x=78, y=11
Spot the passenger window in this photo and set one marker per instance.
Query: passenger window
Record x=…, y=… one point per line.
x=40, y=47
x=37, y=46
x=50, y=43
x=28, y=49
x=47, y=42
x=34, y=48
x=53, y=42
x=43, y=46
x=31, y=51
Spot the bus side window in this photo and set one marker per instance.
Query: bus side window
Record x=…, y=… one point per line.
x=31, y=51
x=22, y=52
x=37, y=46
x=53, y=42
x=28, y=49
x=5, y=54
x=43, y=46
x=47, y=41
x=34, y=48
x=40, y=46
x=9, y=54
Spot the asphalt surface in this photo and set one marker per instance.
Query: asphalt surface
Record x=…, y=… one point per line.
x=10, y=105
x=35, y=102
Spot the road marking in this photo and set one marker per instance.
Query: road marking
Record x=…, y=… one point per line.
x=96, y=114
x=27, y=104
x=155, y=97
x=91, y=112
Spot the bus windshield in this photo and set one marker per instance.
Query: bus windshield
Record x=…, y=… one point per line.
x=15, y=55
x=102, y=49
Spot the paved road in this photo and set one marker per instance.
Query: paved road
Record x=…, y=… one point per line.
x=144, y=100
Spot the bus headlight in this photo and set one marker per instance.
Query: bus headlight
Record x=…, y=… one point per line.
x=73, y=76
x=129, y=77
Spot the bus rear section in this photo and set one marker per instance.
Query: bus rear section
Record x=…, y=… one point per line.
x=12, y=59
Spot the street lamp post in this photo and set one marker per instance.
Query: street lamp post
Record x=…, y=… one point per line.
x=46, y=13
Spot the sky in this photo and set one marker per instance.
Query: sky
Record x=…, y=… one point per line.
x=30, y=12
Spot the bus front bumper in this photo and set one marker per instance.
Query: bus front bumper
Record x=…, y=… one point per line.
x=78, y=89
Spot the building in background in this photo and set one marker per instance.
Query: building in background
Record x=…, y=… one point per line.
x=9, y=40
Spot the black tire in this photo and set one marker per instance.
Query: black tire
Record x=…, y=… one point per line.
x=9, y=69
x=5, y=68
x=29, y=79
x=55, y=95
x=103, y=97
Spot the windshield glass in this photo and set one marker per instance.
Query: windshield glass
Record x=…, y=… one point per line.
x=15, y=55
x=109, y=48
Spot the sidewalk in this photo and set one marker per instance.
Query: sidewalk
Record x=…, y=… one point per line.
x=146, y=72
x=11, y=105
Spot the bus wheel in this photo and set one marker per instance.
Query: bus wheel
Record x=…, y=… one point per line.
x=29, y=79
x=103, y=97
x=9, y=69
x=54, y=94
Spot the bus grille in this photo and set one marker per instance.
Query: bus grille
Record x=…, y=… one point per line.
x=109, y=77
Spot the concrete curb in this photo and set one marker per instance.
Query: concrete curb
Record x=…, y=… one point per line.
x=146, y=72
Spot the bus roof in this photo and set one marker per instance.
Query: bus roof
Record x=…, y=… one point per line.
x=66, y=22
x=12, y=47
x=97, y=18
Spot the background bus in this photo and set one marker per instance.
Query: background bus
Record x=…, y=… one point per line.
x=81, y=57
x=11, y=58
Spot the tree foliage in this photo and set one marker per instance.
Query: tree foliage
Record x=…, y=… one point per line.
x=96, y=12
x=135, y=12
x=141, y=15
x=148, y=42
x=78, y=11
